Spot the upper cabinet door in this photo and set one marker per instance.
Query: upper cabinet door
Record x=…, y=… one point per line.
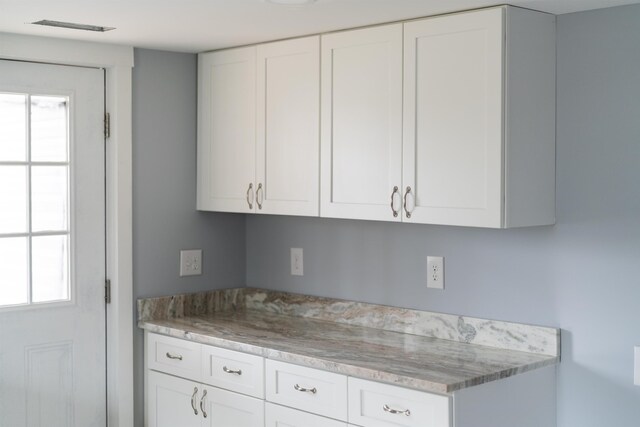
x=227, y=130
x=453, y=119
x=361, y=137
x=288, y=127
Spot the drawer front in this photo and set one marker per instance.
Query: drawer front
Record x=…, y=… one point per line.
x=311, y=390
x=374, y=404
x=232, y=370
x=174, y=356
x=281, y=416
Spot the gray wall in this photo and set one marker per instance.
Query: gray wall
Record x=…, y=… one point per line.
x=582, y=275
x=164, y=192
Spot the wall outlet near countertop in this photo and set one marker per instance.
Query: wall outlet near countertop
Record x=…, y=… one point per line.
x=297, y=262
x=435, y=272
x=191, y=262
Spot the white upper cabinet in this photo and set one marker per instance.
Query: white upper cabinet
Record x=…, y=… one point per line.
x=444, y=120
x=288, y=117
x=479, y=119
x=361, y=118
x=227, y=130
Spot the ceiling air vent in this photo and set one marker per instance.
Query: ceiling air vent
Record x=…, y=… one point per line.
x=73, y=26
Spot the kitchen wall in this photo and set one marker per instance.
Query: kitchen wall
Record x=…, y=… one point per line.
x=582, y=275
x=164, y=193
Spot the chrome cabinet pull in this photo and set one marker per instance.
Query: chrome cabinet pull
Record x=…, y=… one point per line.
x=406, y=194
x=406, y=412
x=259, y=199
x=231, y=371
x=393, y=194
x=249, y=190
x=174, y=356
x=193, y=400
x=305, y=390
x=204, y=394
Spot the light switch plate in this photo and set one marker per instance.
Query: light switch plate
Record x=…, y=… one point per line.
x=297, y=262
x=191, y=262
x=636, y=365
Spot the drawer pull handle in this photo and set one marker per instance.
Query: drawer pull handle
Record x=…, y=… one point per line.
x=386, y=408
x=231, y=371
x=193, y=400
x=404, y=205
x=305, y=390
x=204, y=394
x=393, y=209
x=173, y=356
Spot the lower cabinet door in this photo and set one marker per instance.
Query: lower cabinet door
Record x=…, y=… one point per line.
x=280, y=416
x=171, y=401
x=221, y=408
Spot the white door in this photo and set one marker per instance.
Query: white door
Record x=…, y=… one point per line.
x=288, y=143
x=281, y=416
x=52, y=246
x=172, y=401
x=227, y=130
x=452, y=168
x=361, y=137
x=227, y=409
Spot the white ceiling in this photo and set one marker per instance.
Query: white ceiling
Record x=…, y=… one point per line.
x=200, y=25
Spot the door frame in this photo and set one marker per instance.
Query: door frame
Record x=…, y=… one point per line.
x=118, y=63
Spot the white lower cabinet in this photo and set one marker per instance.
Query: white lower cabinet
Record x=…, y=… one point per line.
x=176, y=402
x=235, y=389
x=280, y=416
x=171, y=401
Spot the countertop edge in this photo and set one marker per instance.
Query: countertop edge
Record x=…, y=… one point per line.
x=343, y=368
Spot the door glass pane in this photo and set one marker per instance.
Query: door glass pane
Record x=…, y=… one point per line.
x=13, y=127
x=49, y=128
x=14, y=277
x=50, y=268
x=13, y=199
x=49, y=198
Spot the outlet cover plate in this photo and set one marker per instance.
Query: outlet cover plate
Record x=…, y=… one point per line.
x=435, y=272
x=191, y=262
x=297, y=262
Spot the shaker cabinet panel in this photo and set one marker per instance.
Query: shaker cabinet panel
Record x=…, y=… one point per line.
x=361, y=122
x=227, y=130
x=171, y=401
x=226, y=409
x=288, y=118
x=453, y=119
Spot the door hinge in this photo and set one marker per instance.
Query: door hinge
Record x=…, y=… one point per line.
x=107, y=125
x=107, y=291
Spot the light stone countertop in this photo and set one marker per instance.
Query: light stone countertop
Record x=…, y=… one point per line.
x=419, y=362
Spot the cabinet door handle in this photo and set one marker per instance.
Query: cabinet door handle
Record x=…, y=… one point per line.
x=250, y=190
x=174, y=356
x=193, y=400
x=406, y=194
x=259, y=198
x=393, y=199
x=231, y=371
x=305, y=390
x=406, y=412
x=204, y=394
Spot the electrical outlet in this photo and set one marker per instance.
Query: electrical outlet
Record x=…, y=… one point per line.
x=297, y=262
x=191, y=262
x=435, y=272
x=636, y=366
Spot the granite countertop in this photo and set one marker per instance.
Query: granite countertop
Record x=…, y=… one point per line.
x=416, y=361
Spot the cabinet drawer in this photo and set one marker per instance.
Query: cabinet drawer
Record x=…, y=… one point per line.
x=174, y=356
x=232, y=370
x=280, y=416
x=374, y=404
x=311, y=390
